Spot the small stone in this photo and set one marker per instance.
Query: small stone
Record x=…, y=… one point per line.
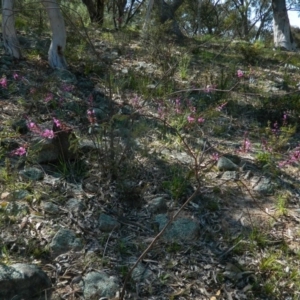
x=141, y=273
x=50, y=207
x=158, y=205
x=99, y=284
x=74, y=205
x=183, y=229
x=234, y=158
x=24, y=281
x=64, y=241
x=230, y=175
x=107, y=223
x=225, y=164
x=32, y=173
x=262, y=185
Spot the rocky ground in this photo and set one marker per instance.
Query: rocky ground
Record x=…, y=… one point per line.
x=80, y=207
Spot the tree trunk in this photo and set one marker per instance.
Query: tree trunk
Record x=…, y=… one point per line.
x=59, y=36
x=148, y=13
x=95, y=10
x=167, y=12
x=281, y=26
x=10, y=39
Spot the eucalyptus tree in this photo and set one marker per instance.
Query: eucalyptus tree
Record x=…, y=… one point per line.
x=283, y=37
x=96, y=10
x=10, y=40
x=166, y=12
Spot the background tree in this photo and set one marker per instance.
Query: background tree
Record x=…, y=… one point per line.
x=96, y=10
x=166, y=12
x=281, y=29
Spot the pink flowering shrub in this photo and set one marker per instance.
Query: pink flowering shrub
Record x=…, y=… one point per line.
x=240, y=73
x=19, y=152
x=46, y=133
x=3, y=82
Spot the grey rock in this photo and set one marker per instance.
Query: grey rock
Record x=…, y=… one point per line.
x=64, y=241
x=32, y=173
x=225, y=164
x=17, y=209
x=86, y=145
x=74, y=205
x=141, y=273
x=262, y=185
x=50, y=207
x=20, y=194
x=107, y=223
x=24, y=281
x=183, y=229
x=230, y=175
x=99, y=284
x=158, y=205
x=43, y=150
x=234, y=158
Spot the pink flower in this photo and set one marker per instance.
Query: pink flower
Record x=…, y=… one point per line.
x=177, y=106
x=56, y=122
x=19, y=152
x=247, y=145
x=32, y=90
x=161, y=111
x=90, y=112
x=49, y=97
x=15, y=76
x=67, y=87
x=33, y=127
x=201, y=120
x=135, y=101
x=240, y=73
x=190, y=119
x=193, y=109
x=3, y=82
x=215, y=156
x=48, y=134
x=220, y=107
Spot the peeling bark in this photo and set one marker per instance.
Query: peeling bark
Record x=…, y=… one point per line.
x=56, y=51
x=58, y=44
x=281, y=26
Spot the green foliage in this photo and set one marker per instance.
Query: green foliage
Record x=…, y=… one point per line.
x=184, y=66
x=251, y=53
x=177, y=183
x=281, y=204
x=264, y=158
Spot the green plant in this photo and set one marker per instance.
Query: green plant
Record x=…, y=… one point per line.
x=177, y=183
x=173, y=247
x=258, y=238
x=183, y=66
x=264, y=158
x=281, y=204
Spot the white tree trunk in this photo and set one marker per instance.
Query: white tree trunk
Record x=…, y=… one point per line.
x=10, y=39
x=59, y=36
x=281, y=26
x=148, y=14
